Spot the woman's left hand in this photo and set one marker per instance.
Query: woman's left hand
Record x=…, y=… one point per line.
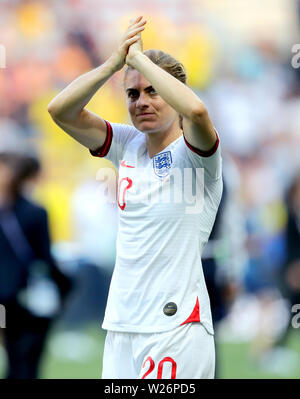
x=134, y=49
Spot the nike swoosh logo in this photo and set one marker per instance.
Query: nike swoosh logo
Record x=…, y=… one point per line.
x=123, y=163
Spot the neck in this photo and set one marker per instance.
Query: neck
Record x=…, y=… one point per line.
x=156, y=142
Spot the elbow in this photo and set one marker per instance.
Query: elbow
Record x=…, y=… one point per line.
x=55, y=112
x=55, y=109
x=52, y=110
x=58, y=112
x=199, y=113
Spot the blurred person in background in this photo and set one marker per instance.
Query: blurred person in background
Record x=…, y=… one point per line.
x=216, y=288
x=290, y=273
x=275, y=356
x=25, y=257
x=94, y=225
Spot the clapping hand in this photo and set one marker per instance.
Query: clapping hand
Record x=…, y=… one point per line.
x=137, y=46
x=130, y=44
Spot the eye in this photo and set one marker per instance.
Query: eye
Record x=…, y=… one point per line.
x=153, y=91
x=132, y=94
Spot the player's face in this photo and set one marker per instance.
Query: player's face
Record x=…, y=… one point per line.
x=149, y=113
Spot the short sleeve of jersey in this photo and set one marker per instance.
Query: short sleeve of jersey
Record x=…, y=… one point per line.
x=210, y=161
x=118, y=136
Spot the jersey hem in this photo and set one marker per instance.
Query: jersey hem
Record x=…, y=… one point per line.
x=150, y=329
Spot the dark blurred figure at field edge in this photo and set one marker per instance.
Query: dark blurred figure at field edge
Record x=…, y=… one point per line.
x=24, y=247
x=290, y=277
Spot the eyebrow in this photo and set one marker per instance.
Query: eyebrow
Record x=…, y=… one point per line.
x=134, y=89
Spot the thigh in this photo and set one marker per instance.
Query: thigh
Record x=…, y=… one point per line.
x=187, y=352
x=117, y=357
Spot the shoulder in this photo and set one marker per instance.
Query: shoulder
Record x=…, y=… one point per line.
x=210, y=161
x=124, y=131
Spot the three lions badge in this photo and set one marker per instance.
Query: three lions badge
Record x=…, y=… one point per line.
x=162, y=163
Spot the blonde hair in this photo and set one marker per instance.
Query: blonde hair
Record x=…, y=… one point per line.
x=169, y=64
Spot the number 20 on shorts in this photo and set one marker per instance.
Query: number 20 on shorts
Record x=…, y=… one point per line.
x=160, y=367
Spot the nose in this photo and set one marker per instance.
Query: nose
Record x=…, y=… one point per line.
x=142, y=101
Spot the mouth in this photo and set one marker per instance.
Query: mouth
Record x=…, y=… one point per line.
x=145, y=114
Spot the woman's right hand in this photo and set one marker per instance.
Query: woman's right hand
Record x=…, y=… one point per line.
x=131, y=36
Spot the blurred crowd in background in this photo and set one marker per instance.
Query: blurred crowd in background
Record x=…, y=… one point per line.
x=238, y=59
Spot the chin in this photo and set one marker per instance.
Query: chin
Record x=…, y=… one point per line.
x=145, y=127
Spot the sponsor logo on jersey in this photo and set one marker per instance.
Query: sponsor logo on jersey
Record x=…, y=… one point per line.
x=162, y=163
x=125, y=165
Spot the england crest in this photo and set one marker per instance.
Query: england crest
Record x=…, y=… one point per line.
x=162, y=163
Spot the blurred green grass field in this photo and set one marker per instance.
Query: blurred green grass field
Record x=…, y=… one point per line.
x=66, y=358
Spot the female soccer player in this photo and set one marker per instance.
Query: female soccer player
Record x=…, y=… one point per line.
x=158, y=311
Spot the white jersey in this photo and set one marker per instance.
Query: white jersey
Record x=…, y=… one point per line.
x=158, y=282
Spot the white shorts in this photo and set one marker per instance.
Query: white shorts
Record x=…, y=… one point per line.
x=187, y=351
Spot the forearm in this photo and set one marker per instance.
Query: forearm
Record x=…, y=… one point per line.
x=175, y=93
x=71, y=101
